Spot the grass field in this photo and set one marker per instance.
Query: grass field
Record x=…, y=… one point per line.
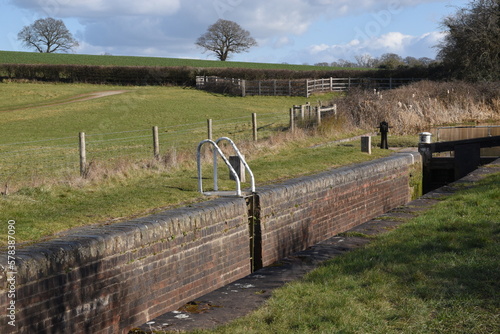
x=11, y=57
x=39, y=150
x=438, y=273
x=36, y=130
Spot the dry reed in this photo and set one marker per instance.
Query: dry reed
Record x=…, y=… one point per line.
x=422, y=105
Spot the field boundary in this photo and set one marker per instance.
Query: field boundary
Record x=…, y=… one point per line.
x=299, y=87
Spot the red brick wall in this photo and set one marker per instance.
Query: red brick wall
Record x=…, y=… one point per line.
x=109, y=279
x=301, y=212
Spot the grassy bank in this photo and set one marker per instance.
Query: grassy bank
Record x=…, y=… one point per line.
x=39, y=131
x=142, y=188
x=437, y=274
x=39, y=170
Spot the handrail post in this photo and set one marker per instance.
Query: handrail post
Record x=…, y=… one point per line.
x=219, y=151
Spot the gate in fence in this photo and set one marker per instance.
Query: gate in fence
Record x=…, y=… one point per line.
x=301, y=87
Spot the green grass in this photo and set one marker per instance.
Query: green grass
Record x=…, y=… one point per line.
x=10, y=57
x=48, y=209
x=40, y=162
x=118, y=125
x=139, y=108
x=438, y=273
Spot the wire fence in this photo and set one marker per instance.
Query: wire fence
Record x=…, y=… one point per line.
x=24, y=162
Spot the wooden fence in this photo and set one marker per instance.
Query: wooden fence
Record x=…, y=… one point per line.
x=252, y=87
x=301, y=87
x=343, y=84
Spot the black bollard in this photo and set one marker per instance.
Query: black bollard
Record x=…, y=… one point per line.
x=384, y=129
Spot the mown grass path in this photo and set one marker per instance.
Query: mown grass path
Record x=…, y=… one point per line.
x=68, y=100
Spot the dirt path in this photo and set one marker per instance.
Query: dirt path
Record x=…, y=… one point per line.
x=73, y=99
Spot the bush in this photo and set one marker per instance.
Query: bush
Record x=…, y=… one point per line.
x=182, y=76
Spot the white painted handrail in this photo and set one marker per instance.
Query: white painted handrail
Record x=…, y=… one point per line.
x=252, y=179
x=231, y=169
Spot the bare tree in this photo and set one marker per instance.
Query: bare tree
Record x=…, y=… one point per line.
x=47, y=35
x=366, y=60
x=343, y=63
x=471, y=49
x=225, y=37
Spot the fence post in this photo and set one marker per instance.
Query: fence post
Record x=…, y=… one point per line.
x=274, y=87
x=83, y=154
x=243, y=88
x=292, y=121
x=318, y=115
x=254, y=126
x=209, y=128
x=156, y=143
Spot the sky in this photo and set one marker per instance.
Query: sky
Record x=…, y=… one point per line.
x=287, y=31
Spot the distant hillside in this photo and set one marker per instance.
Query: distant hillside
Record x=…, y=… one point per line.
x=10, y=57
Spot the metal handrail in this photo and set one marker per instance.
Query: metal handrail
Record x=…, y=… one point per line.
x=217, y=150
x=252, y=182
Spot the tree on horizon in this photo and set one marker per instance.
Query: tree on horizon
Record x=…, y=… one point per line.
x=225, y=37
x=47, y=36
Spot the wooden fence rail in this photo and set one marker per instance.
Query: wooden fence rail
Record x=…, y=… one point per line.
x=307, y=113
x=301, y=87
x=343, y=84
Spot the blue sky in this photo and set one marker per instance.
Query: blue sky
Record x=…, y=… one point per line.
x=288, y=31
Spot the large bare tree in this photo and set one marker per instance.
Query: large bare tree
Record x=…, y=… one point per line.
x=47, y=35
x=225, y=37
x=471, y=48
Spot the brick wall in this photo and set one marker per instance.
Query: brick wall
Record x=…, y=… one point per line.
x=109, y=279
x=301, y=212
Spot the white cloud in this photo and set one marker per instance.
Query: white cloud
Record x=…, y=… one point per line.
x=170, y=27
x=392, y=42
x=100, y=8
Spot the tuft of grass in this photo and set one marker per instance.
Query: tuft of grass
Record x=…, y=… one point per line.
x=437, y=274
x=356, y=235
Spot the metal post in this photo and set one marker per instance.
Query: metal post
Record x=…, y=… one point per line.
x=292, y=121
x=384, y=129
